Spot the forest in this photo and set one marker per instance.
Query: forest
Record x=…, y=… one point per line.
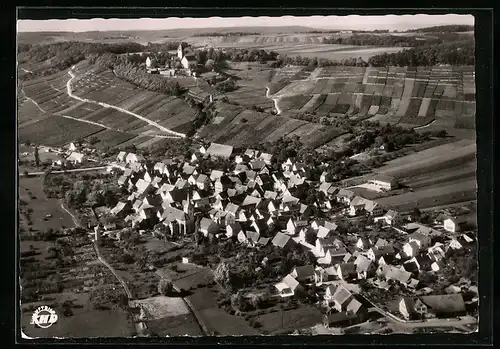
x=453, y=28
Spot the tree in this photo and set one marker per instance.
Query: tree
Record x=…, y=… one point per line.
x=37, y=157
x=165, y=287
x=223, y=275
x=415, y=215
x=209, y=65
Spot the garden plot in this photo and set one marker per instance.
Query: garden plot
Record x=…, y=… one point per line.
x=158, y=307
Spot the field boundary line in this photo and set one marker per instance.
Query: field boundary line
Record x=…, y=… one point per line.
x=75, y=221
x=105, y=105
x=193, y=310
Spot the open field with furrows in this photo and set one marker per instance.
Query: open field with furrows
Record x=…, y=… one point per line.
x=438, y=195
x=304, y=45
x=56, y=131
x=428, y=96
x=430, y=160
x=67, y=119
x=103, y=86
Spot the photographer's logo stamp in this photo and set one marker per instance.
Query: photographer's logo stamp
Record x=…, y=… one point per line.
x=44, y=317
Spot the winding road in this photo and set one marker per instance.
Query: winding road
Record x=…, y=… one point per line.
x=105, y=105
x=275, y=100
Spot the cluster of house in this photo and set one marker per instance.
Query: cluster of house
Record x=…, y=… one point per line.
x=71, y=155
x=257, y=205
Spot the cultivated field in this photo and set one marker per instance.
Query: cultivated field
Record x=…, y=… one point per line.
x=304, y=45
x=45, y=105
x=443, y=96
x=439, y=176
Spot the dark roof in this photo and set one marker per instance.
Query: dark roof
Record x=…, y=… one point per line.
x=384, y=178
x=448, y=303
x=304, y=271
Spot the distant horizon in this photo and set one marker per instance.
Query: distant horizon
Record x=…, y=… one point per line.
x=351, y=22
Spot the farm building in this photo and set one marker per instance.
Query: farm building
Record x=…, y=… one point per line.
x=448, y=305
x=453, y=225
x=133, y=158
x=220, y=150
x=76, y=158
x=288, y=286
x=384, y=182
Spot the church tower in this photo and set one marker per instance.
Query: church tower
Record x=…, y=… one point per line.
x=188, y=206
x=189, y=212
x=180, y=54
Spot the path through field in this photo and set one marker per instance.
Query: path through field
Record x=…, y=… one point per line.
x=105, y=105
x=275, y=100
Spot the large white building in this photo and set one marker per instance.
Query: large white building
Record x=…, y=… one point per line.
x=384, y=182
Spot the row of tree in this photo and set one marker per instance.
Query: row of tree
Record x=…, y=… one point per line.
x=227, y=34
x=461, y=53
x=398, y=40
x=452, y=28
x=136, y=75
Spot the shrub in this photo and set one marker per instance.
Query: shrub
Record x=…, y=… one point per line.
x=165, y=287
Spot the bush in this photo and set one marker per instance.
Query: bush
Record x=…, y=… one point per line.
x=165, y=287
x=256, y=324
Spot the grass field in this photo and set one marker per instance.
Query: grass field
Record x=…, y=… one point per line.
x=289, y=320
x=42, y=206
x=85, y=321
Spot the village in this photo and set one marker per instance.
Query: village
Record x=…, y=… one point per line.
x=255, y=206
x=243, y=183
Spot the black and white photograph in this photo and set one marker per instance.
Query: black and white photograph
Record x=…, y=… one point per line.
x=247, y=176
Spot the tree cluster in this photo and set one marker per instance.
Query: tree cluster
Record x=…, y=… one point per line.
x=136, y=75
x=452, y=28
x=382, y=40
x=459, y=53
x=226, y=34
